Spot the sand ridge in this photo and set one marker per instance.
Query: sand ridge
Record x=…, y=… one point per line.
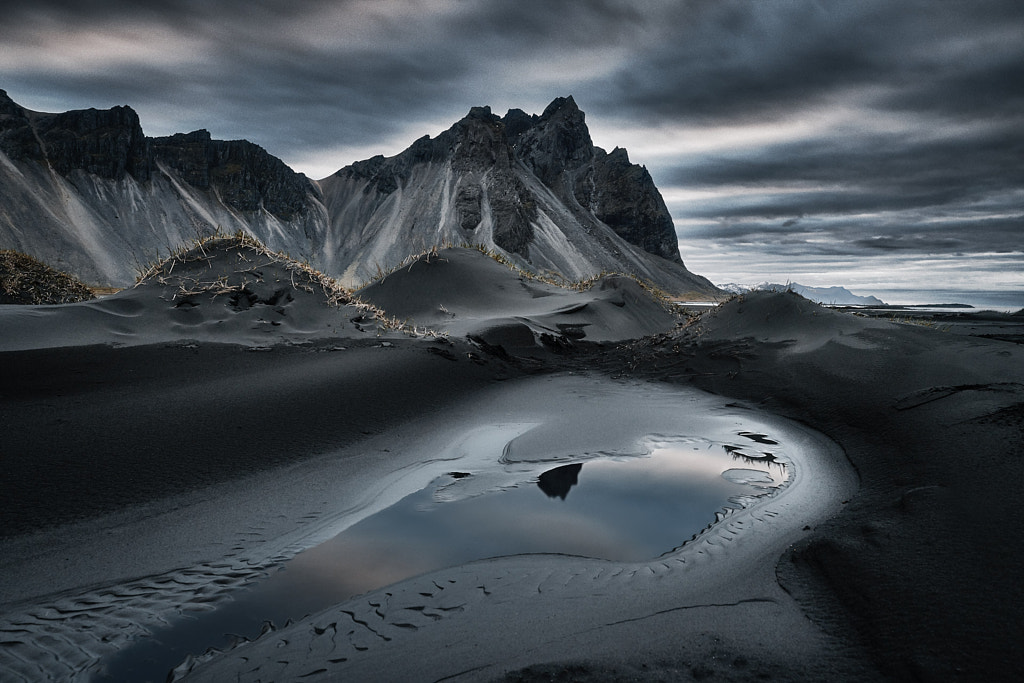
x=464, y=292
x=200, y=448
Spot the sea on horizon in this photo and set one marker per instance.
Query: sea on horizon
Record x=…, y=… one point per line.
x=990, y=300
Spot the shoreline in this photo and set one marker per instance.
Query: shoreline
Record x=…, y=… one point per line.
x=159, y=527
x=908, y=578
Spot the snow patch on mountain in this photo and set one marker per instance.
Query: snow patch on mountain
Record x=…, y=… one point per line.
x=836, y=295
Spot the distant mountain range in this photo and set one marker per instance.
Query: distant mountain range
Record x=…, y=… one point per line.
x=823, y=295
x=88, y=193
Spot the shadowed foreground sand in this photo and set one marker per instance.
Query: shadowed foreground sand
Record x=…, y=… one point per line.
x=157, y=456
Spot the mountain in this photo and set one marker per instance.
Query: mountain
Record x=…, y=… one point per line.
x=534, y=187
x=87, y=192
x=823, y=295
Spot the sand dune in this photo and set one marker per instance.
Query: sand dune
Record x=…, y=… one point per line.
x=165, y=446
x=463, y=292
x=228, y=290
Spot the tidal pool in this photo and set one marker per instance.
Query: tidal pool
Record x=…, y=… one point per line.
x=627, y=508
x=622, y=509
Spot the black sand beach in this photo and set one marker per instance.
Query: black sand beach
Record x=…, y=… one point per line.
x=201, y=446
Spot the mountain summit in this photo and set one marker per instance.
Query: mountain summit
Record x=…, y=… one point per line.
x=87, y=192
x=534, y=187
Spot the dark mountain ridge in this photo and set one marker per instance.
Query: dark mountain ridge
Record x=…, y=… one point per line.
x=87, y=192
x=110, y=144
x=556, y=147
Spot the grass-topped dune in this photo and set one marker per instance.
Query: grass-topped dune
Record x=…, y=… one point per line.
x=228, y=289
x=233, y=289
x=463, y=291
x=26, y=280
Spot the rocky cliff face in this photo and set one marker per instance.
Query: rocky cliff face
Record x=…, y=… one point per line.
x=89, y=193
x=110, y=144
x=624, y=197
x=107, y=143
x=242, y=174
x=532, y=186
x=557, y=147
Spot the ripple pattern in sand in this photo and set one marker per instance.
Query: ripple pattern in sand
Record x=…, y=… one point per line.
x=66, y=638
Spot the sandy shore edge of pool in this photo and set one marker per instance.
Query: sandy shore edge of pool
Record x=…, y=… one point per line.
x=144, y=470
x=471, y=621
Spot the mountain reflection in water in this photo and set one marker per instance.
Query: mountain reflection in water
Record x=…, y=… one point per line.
x=557, y=482
x=626, y=509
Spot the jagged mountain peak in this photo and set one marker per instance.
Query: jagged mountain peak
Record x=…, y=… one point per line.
x=532, y=186
x=562, y=106
x=619, y=154
x=481, y=114
x=517, y=121
x=198, y=135
x=559, y=141
x=8, y=106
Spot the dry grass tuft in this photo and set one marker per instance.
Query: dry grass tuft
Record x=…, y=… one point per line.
x=302, y=275
x=26, y=280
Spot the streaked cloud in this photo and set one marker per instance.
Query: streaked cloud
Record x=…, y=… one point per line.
x=789, y=134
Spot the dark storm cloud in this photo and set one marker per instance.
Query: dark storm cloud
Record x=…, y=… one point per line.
x=175, y=11
x=928, y=160
x=309, y=74
x=871, y=172
x=848, y=236
x=247, y=77
x=743, y=60
x=984, y=159
x=746, y=60
x=995, y=91
x=707, y=60
x=880, y=126
x=881, y=192
x=305, y=105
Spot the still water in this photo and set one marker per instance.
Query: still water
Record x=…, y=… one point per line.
x=626, y=508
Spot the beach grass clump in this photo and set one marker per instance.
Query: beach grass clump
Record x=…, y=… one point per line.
x=556, y=279
x=382, y=273
x=205, y=249
x=26, y=280
x=917, y=321
x=302, y=276
x=653, y=290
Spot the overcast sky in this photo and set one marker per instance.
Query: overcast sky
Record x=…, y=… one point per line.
x=871, y=144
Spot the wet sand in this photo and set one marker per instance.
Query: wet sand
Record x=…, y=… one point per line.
x=162, y=474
